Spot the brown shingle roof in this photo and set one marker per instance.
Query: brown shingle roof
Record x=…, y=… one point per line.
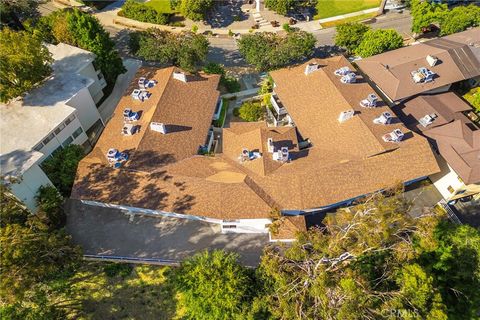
x=391, y=70
x=346, y=160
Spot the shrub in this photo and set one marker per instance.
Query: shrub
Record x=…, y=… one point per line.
x=195, y=9
x=194, y=28
x=117, y=269
x=251, y=111
x=141, y=12
x=61, y=168
x=50, y=204
x=286, y=27
x=230, y=83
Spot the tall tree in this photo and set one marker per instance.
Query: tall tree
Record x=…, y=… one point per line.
x=83, y=30
x=24, y=62
x=361, y=265
x=13, y=12
x=213, y=286
x=349, y=35
x=378, y=41
x=267, y=51
x=459, y=19
x=195, y=9
x=425, y=13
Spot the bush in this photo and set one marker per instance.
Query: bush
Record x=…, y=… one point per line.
x=117, y=269
x=230, y=83
x=50, y=204
x=250, y=111
x=61, y=168
x=195, y=9
x=141, y=12
x=378, y=41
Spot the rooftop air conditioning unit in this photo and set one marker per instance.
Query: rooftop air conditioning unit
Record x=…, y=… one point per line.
x=394, y=136
x=345, y=115
x=159, y=127
x=311, y=67
x=180, y=76
x=432, y=60
x=427, y=119
x=370, y=102
x=385, y=118
x=342, y=71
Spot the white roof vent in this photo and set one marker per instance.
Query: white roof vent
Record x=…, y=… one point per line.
x=349, y=78
x=432, y=60
x=422, y=75
x=311, y=67
x=385, y=118
x=180, y=76
x=427, y=119
x=345, y=115
x=270, y=146
x=159, y=127
x=394, y=136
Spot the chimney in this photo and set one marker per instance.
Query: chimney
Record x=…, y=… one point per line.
x=345, y=115
x=270, y=146
x=311, y=67
x=432, y=60
x=180, y=76
x=159, y=127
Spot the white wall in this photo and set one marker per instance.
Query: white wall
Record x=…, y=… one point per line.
x=445, y=178
x=87, y=112
x=27, y=188
x=96, y=87
x=247, y=226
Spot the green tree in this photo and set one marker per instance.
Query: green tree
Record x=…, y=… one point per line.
x=83, y=30
x=138, y=11
x=459, y=19
x=250, y=111
x=360, y=265
x=349, y=35
x=185, y=49
x=425, y=13
x=50, y=204
x=61, y=168
x=24, y=62
x=213, y=285
x=267, y=51
x=378, y=41
x=455, y=264
x=230, y=83
x=195, y=9
x=280, y=6
x=14, y=12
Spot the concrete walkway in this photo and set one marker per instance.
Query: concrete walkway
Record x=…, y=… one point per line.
x=111, y=232
x=107, y=108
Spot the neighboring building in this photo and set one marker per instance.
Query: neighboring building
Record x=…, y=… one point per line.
x=427, y=67
x=446, y=120
x=319, y=164
x=59, y=112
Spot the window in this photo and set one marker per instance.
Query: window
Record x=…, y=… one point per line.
x=67, y=142
x=70, y=119
x=48, y=138
x=38, y=147
x=460, y=180
x=77, y=132
x=450, y=189
x=59, y=128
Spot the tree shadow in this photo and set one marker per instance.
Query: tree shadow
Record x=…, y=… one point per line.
x=224, y=14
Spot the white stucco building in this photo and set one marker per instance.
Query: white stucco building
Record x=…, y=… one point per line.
x=59, y=112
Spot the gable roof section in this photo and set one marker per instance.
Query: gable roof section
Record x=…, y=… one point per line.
x=390, y=71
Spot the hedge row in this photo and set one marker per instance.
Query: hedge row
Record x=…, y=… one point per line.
x=141, y=12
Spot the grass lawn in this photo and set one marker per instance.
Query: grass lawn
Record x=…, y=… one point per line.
x=162, y=6
x=473, y=97
x=351, y=19
x=116, y=291
x=331, y=8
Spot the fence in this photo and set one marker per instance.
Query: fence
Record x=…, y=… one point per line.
x=163, y=262
x=451, y=215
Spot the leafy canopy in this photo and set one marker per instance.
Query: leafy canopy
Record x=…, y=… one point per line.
x=378, y=41
x=138, y=11
x=251, y=111
x=213, y=285
x=230, y=83
x=195, y=9
x=185, y=49
x=83, y=30
x=61, y=168
x=268, y=51
x=349, y=35
x=24, y=62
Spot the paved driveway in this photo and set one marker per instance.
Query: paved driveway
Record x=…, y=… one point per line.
x=111, y=232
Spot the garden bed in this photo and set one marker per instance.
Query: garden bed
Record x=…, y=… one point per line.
x=223, y=114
